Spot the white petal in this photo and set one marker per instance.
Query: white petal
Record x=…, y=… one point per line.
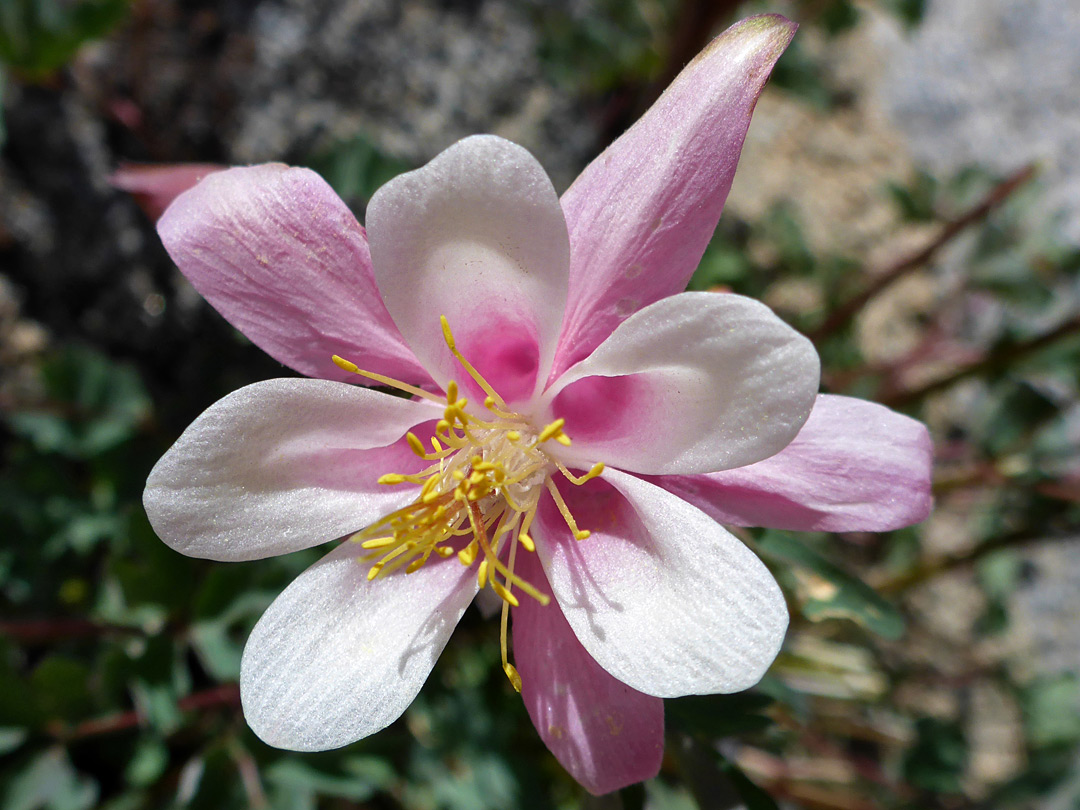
x=476, y=235
x=336, y=657
x=282, y=465
x=660, y=595
x=694, y=383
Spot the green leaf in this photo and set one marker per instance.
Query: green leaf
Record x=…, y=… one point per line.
x=754, y=798
x=721, y=266
x=60, y=684
x=917, y=200
x=3, y=129
x=158, y=704
x=829, y=591
x=92, y=405
x=938, y=759
x=1050, y=711
x=356, y=168
x=910, y=12
x=148, y=763
x=39, y=36
x=50, y=783
x=839, y=16
x=11, y=738
x=716, y=716
x=358, y=786
x=663, y=796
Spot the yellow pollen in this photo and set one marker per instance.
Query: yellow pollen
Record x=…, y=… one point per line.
x=485, y=482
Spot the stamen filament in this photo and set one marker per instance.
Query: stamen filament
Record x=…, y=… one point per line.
x=579, y=480
x=352, y=368
x=579, y=534
x=484, y=384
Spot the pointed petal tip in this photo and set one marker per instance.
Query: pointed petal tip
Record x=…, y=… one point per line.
x=765, y=35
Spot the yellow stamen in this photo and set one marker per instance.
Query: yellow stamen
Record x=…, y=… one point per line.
x=416, y=445
x=579, y=480
x=579, y=534
x=352, y=368
x=551, y=431
x=378, y=542
x=481, y=574
x=483, y=484
x=448, y=336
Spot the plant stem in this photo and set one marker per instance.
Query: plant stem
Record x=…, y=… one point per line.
x=995, y=361
x=45, y=631
x=943, y=565
x=215, y=697
x=844, y=313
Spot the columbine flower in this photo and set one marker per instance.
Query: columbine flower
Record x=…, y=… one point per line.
x=574, y=429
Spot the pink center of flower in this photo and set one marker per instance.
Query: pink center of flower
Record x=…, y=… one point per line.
x=487, y=474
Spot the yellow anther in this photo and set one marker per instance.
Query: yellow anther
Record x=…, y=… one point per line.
x=482, y=484
x=416, y=445
x=551, y=431
x=345, y=365
x=379, y=542
x=352, y=368
x=579, y=480
x=468, y=554
x=507, y=597
x=565, y=511
x=512, y=674
x=448, y=336
x=582, y=534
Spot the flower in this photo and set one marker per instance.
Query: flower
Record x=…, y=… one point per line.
x=576, y=427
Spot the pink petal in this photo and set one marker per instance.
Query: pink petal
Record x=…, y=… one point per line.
x=476, y=235
x=276, y=252
x=855, y=466
x=641, y=214
x=695, y=382
x=283, y=465
x=660, y=595
x=604, y=733
x=337, y=657
x=155, y=186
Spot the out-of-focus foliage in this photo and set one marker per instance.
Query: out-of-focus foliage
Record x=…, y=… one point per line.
x=607, y=46
x=119, y=657
x=39, y=36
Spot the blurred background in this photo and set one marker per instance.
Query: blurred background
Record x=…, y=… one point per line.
x=909, y=196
